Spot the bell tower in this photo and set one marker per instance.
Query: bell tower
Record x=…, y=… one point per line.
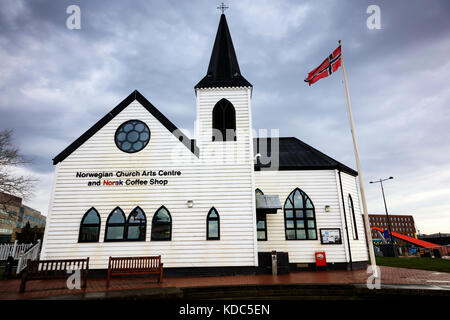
x=223, y=104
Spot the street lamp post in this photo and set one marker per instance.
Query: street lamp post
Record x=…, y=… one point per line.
x=385, y=206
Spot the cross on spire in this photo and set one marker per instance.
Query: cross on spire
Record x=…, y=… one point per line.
x=222, y=7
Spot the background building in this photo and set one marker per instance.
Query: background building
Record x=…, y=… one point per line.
x=402, y=224
x=442, y=239
x=14, y=214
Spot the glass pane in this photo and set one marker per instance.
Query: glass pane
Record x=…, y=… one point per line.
x=261, y=224
x=116, y=217
x=144, y=136
x=290, y=234
x=289, y=214
x=311, y=224
x=89, y=234
x=160, y=231
x=138, y=145
x=139, y=127
x=91, y=217
x=288, y=204
x=310, y=213
x=301, y=234
x=298, y=199
x=137, y=216
x=290, y=224
x=311, y=234
x=114, y=233
x=162, y=216
x=126, y=145
x=300, y=224
x=121, y=136
x=128, y=127
x=213, y=214
x=136, y=233
x=299, y=213
x=133, y=136
x=259, y=192
x=309, y=203
x=213, y=229
x=261, y=235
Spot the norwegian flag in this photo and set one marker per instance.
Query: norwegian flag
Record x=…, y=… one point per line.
x=326, y=68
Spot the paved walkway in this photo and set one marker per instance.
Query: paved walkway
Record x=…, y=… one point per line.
x=9, y=289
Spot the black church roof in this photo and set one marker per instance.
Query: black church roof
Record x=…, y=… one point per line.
x=297, y=155
x=223, y=70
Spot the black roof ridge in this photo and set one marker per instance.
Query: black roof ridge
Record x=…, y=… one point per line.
x=135, y=95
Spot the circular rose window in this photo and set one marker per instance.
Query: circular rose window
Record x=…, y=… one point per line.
x=132, y=136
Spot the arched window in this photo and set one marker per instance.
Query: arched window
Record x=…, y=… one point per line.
x=213, y=225
x=224, y=121
x=90, y=226
x=352, y=212
x=258, y=192
x=261, y=221
x=115, y=226
x=136, y=225
x=162, y=225
x=299, y=217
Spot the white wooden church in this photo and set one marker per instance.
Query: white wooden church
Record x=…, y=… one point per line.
x=135, y=185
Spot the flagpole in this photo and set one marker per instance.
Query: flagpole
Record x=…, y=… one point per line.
x=361, y=183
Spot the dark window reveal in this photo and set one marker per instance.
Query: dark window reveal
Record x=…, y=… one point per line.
x=224, y=121
x=261, y=227
x=115, y=226
x=132, y=136
x=161, y=225
x=213, y=225
x=90, y=226
x=352, y=211
x=258, y=192
x=299, y=217
x=137, y=225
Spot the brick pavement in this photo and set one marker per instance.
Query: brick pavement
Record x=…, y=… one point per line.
x=389, y=275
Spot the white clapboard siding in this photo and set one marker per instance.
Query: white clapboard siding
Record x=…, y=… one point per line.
x=207, y=180
x=358, y=247
x=321, y=187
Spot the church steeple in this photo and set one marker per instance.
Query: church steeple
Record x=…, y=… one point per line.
x=223, y=70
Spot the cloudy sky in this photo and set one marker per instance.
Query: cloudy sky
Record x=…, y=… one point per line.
x=55, y=83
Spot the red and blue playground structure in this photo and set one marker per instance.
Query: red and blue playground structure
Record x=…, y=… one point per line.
x=417, y=242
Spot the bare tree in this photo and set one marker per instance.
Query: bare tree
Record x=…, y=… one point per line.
x=10, y=158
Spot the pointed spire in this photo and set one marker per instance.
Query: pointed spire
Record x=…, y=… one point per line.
x=223, y=70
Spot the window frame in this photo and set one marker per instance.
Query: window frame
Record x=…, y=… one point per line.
x=123, y=125
x=115, y=224
x=90, y=225
x=169, y=223
x=136, y=224
x=294, y=218
x=208, y=219
x=351, y=208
